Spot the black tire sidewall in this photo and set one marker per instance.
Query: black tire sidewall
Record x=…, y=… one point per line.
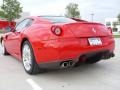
x=3, y=46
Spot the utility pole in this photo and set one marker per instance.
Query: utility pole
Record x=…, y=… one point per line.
x=92, y=17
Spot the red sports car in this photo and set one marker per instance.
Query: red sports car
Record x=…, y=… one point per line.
x=45, y=42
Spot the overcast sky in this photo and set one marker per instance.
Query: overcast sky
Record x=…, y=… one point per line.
x=101, y=8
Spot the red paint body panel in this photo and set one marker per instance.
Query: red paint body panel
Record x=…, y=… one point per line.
x=48, y=47
x=68, y=49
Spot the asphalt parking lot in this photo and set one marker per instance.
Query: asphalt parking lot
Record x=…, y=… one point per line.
x=99, y=76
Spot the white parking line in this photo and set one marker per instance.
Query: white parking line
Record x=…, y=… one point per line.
x=33, y=84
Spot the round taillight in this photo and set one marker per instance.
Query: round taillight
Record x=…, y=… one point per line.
x=57, y=30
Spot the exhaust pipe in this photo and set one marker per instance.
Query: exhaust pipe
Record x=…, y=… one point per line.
x=66, y=64
x=70, y=63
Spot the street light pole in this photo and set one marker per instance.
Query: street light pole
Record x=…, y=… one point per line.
x=92, y=17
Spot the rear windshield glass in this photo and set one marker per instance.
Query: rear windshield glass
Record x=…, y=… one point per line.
x=58, y=19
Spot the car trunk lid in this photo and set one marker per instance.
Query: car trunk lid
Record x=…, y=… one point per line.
x=87, y=29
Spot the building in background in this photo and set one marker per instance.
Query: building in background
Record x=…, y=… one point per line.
x=114, y=24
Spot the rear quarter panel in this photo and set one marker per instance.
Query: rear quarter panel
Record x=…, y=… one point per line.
x=44, y=43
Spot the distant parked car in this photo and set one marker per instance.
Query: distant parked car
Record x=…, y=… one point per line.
x=57, y=42
x=4, y=24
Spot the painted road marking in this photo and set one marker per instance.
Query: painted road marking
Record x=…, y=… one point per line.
x=33, y=84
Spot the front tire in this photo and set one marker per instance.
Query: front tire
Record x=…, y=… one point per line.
x=28, y=59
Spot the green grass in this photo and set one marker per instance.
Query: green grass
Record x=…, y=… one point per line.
x=116, y=36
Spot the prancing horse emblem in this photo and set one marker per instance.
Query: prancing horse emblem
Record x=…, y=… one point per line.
x=93, y=30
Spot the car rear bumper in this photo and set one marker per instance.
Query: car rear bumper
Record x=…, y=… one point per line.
x=75, y=62
x=70, y=49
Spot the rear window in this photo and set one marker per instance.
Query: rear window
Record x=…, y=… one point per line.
x=58, y=19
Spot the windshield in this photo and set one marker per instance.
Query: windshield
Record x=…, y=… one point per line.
x=58, y=19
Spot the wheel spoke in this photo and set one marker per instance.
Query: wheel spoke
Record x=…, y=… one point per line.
x=27, y=57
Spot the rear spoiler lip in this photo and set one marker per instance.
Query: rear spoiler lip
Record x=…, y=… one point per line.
x=86, y=22
x=92, y=23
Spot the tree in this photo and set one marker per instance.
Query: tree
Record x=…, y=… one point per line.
x=72, y=11
x=10, y=10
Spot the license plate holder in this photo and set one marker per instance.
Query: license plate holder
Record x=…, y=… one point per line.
x=94, y=41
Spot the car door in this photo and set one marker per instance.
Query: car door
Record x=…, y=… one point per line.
x=14, y=38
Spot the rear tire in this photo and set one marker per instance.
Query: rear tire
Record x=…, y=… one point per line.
x=4, y=51
x=28, y=59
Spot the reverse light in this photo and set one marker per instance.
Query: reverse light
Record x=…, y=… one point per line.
x=57, y=30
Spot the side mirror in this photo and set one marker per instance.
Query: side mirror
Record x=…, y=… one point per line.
x=12, y=29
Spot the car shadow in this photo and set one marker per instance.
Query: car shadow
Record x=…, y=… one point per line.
x=82, y=72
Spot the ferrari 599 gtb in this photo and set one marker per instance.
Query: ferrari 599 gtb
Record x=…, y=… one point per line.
x=44, y=42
